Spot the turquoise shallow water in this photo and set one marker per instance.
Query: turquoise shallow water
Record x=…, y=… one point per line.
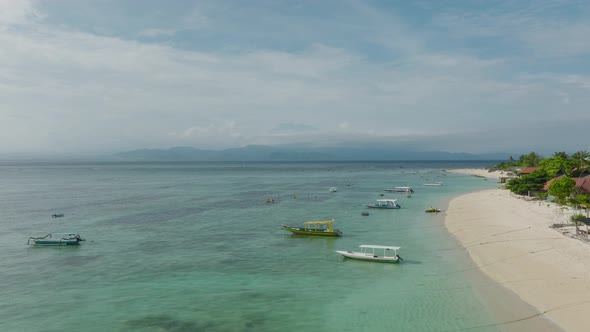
x=194, y=247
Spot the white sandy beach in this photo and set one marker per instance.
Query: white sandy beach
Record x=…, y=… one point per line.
x=480, y=172
x=509, y=239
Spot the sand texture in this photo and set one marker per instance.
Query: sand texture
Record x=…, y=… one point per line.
x=480, y=172
x=510, y=240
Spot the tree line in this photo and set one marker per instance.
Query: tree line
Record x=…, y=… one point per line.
x=563, y=189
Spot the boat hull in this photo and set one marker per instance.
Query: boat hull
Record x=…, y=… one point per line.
x=368, y=256
x=299, y=231
x=400, y=190
x=56, y=242
x=383, y=207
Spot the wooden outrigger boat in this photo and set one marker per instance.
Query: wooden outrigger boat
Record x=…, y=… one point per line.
x=367, y=253
x=432, y=210
x=385, y=204
x=57, y=239
x=316, y=228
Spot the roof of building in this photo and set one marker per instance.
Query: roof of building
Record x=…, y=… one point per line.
x=582, y=183
x=581, y=172
x=528, y=170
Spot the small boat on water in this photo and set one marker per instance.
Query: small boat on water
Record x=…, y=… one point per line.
x=333, y=189
x=57, y=215
x=437, y=184
x=368, y=253
x=385, y=204
x=400, y=190
x=432, y=210
x=56, y=239
x=315, y=228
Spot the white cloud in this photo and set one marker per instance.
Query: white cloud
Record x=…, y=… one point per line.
x=227, y=128
x=15, y=12
x=289, y=128
x=68, y=90
x=538, y=28
x=157, y=32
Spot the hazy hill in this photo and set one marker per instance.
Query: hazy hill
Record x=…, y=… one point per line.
x=295, y=153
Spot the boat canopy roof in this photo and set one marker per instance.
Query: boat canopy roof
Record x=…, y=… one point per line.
x=402, y=187
x=63, y=234
x=387, y=200
x=378, y=247
x=323, y=222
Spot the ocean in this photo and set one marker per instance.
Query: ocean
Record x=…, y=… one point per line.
x=196, y=247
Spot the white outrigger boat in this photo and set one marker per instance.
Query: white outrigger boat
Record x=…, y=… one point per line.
x=385, y=203
x=367, y=253
x=57, y=239
x=400, y=190
x=436, y=184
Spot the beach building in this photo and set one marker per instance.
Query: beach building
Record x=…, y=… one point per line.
x=581, y=172
x=583, y=184
x=527, y=170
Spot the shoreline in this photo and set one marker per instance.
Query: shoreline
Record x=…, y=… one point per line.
x=510, y=241
x=479, y=172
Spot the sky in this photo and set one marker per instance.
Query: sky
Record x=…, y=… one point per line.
x=473, y=76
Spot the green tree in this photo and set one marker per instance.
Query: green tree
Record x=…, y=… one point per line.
x=562, y=188
x=552, y=165
x=530, y=182
x=580, y=159
x=583, y=199
x=560, y=154
x=530, y=160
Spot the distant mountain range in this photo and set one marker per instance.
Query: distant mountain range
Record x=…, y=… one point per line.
x=297, y=153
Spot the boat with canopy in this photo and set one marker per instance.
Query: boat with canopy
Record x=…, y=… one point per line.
x=385, y=203
x=317, y=228
x=56, y=239
x=373, y=253
x=400, y=190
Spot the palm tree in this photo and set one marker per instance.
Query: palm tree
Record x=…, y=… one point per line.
x=581, y=158
x=530, y=160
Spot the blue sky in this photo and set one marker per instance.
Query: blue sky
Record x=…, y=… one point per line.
x=459, y=76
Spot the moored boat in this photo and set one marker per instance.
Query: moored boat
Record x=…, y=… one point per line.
x=333, y=189
x=400, y=190
x=384, y=204
x=57, y=215
x=314, y=228
x=432, y=210
x=436, y=184
x=56, y=239
x=368, y=253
